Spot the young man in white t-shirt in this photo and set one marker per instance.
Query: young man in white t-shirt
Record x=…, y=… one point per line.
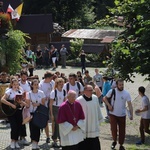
x=73, y=85
x=145, y=115
x=46, y=85
x=117, y=112
x=25, y=85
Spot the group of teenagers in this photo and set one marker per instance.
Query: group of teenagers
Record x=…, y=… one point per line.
x=74, y=111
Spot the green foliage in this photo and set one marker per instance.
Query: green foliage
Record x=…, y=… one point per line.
x=106, y=23
x=76, y=47
x=102, y=8
x=63, y=11
x=12, y=49
x=131, y=49
x=70, y=13
x=93, y=58
x=5, y=20
x=87, y=16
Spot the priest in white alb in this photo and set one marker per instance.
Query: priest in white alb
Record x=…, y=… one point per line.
x=93, y=118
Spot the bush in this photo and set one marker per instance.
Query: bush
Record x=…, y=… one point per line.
x=75, y=47
x=11, y=48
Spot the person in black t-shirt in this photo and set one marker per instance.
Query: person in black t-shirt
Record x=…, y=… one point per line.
x=82, y=56
x=46, y=57
x=39, y=57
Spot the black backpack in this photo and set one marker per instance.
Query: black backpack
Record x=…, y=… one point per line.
x=78, y=85
x=110, y=98
x=41, y=116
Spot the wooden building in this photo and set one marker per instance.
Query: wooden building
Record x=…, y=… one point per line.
x=95, y=40
x=38, y=26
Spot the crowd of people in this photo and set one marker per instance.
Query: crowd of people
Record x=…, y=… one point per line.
x=44, y=58
x=74, y=104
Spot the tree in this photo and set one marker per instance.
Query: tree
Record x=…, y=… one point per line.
x=11, y=43
x=76, y=47
x=131, y=49
x=101, y=8
x=70, y=13
x=11, y=51
x=62, y=10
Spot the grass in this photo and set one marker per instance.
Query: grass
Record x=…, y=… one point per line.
x=134, y=147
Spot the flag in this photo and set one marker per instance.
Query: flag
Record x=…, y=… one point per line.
x=17, y=12
x=9, y=9
x=19, y=9
x=15, y=15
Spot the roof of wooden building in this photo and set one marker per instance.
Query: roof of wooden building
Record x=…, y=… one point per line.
x=35, y=23
x=90, y=33
x=108, y=39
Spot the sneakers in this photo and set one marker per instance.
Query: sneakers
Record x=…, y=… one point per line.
x=113, y=145
x=17, y=145
x=12, y=145
x=37, y=146
x=24, y=142
x=48, y=140
x=139, y=143
x=121, y=148
x=34, y=145
x=55, y=145
x=53, y=69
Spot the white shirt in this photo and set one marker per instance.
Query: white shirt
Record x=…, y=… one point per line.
x=93, y=116
x=46, y=88
x=26, y=87
x=145, y=102
x=35, y=98
x=12, y=94
x=98, y=80
x=74, y=88
x=119, y=105
x=60, y=97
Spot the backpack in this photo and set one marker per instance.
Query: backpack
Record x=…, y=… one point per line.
x=56, y=99
x=29, y=83
x=109, y=99
x=78, y=85
x=41, y=116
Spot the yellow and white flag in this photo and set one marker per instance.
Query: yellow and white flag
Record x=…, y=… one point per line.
x=17, y=12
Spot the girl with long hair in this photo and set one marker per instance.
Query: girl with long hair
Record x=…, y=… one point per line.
x=15, y=119
x=35, y=98
x=57, y=97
